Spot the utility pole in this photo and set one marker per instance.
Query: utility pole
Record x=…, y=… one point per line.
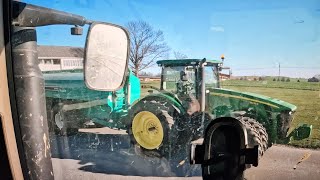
x=279, y=73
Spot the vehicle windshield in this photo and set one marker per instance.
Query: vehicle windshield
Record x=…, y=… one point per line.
x=211, y=77
x=177, y=76
x=258, y=108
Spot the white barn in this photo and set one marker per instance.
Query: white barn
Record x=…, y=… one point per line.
x=57, y=58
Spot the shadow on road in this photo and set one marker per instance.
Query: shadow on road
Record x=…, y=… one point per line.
x=113, y=154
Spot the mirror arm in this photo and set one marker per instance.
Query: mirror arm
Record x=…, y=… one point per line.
x=26, y=15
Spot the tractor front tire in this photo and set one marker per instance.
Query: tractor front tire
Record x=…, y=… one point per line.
x=150, y=128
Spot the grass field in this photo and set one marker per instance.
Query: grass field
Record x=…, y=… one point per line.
x=305, y=95
x=302, y=85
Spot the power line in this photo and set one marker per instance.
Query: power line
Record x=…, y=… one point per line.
x=301, y=67
x=257, y=68
x=253, y=68
x=279, y=72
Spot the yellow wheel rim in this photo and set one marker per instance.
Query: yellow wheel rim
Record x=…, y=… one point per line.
x=147, y=130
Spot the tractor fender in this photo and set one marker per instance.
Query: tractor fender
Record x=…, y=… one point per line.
x=199, y=149
x=174, y=102
x=228, y=121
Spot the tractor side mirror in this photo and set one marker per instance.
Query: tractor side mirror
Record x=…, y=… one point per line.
x=106, y=57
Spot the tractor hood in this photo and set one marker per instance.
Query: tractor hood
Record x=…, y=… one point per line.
x=255, y=98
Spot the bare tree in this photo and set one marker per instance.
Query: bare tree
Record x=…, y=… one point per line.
x=147, y=45
x=179, y=55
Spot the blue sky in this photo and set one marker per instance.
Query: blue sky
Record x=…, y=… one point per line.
x=253, y=35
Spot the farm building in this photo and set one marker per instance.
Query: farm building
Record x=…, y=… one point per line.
x=149, y=78
x=56, y=58
x=224, y=76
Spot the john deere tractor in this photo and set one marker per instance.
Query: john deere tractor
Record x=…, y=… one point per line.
x=224, y=129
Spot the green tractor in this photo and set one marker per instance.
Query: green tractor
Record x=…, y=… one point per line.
x=224, y=129
x=190, y=118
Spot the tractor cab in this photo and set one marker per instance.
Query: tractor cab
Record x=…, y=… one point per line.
x=186, y=76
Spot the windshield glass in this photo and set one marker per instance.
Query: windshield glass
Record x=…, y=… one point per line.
x=179, y=79
x=211, y=77
x=256, y=108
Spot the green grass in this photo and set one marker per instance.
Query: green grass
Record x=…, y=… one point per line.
x=302, y=85
x=305, y=95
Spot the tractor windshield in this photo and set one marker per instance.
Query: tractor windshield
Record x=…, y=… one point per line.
x=183, y=111
x=179, y=79
x=211, y=77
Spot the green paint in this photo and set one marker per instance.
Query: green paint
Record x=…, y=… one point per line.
x=70, y=87
x=266, y=110
x=255, y=99
x=135, y=87
x=185, y=62
x=167, y=97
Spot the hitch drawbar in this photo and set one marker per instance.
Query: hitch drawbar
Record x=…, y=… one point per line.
x=197, y=155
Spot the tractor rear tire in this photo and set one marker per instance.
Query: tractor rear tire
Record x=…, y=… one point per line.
x=262, y=132
x=257, y=134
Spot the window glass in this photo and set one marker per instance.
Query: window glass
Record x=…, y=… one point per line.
x=178, y=76
x=56, y=61
x=211, y=77
x=258, y=104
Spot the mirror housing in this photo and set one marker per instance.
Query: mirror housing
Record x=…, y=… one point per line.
x=106, y=57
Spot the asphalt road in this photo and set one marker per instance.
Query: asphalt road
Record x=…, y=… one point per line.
x=107, y=154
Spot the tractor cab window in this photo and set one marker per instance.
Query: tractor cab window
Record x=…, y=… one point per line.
x=211, y=77
x=179, y=79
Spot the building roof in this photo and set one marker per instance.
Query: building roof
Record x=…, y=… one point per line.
x=225, y=75
x=59, y=51
x=183, y=62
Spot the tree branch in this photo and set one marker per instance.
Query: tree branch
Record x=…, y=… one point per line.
x=147, y=45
